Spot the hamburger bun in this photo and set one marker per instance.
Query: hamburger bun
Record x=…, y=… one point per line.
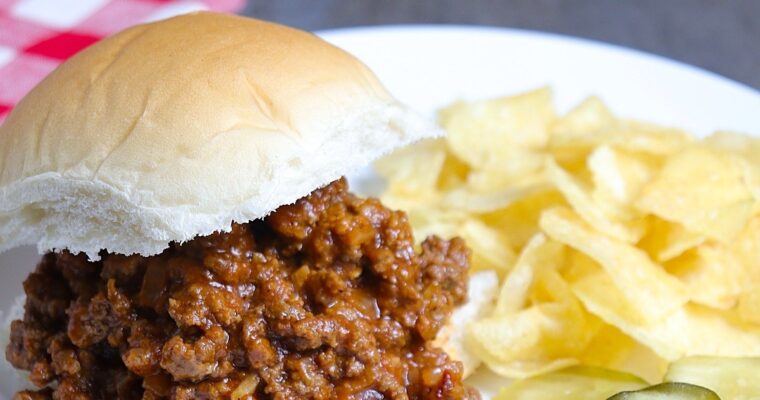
x=175, y=129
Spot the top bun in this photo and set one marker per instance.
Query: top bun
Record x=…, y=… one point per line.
x=177, y=128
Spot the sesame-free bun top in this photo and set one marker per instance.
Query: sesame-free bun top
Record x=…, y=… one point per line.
x=177, y=128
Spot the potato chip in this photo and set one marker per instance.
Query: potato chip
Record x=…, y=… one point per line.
x=730, y=378
x=609, y=347
x=737, y=143
x=434, y=221
x=619, y=243
x=482, y=290
x=415, y=168
x=519, y=221
x=581, y=200
x=479, y=131
x=579, y=265
x=454, y=173
x=580, y=123
x=521, y=168
x=573, y=135
x=712, y=275
x=647, y=138
x=490, y=248
x=592, y=124
x=543, y=328
x=535, y=340
x=574, y=383
x=704, y=191
x=550, y=286
x=689, y=330
x=655, y=293
x=618, y=178
x=666, y=240
x=612, y=348
x=537, y=255
x=746, y=147
x=467, y=200
x=590, y=116
x=746, y=249
x=748, y=307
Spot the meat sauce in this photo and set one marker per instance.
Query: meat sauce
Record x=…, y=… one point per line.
x=324, y=299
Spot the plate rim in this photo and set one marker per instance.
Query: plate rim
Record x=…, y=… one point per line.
x=536, y=35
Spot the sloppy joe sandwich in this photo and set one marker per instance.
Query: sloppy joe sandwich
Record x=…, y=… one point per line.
x=183, y=180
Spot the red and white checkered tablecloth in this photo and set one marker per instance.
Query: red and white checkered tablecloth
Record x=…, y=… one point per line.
x=37, y=35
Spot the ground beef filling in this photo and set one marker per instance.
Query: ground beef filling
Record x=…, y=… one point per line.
x=323, y=299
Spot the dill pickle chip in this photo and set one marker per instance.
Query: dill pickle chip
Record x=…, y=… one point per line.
x=668, y=391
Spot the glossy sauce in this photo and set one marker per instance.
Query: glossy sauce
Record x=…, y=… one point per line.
x=324, y=299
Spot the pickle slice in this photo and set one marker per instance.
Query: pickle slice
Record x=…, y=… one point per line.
x=669, y=391
x=574, y=383
x=732, y=378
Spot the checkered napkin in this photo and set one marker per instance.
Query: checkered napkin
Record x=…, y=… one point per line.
x=37, y=35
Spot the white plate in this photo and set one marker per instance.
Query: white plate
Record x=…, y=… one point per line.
x=430, y=66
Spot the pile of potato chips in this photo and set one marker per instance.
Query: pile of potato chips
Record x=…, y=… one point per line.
x=617, y=243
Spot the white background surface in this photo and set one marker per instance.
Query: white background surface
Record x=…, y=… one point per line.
x=429, y=67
